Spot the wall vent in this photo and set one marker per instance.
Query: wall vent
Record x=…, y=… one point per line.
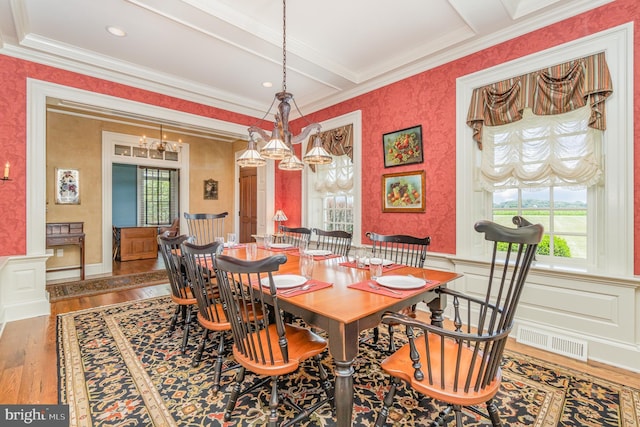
x=553, y=342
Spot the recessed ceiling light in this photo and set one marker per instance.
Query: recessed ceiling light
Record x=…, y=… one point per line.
x=267, y=84
x=118, y=32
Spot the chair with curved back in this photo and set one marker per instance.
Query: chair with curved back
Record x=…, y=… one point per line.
x=205, y=227
x=181, y=293
x=296, y=236
x=199, y=261
x=172, y=230
x=460, y=366
x=401, y=249
x=336, y=241
x=266, y=346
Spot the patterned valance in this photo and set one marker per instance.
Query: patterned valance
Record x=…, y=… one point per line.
x=554, y=90
x=337, y=142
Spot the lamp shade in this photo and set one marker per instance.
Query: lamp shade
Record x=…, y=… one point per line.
x=279, y=216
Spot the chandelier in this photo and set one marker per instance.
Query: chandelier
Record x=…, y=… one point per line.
x=280, y=142
x=160, y=145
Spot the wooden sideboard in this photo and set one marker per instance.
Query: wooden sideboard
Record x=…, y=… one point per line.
x=136, y=243
x=67, y=233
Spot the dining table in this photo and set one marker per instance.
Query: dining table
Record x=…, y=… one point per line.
x=343, y=303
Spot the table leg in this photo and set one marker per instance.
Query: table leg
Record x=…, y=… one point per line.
x=436, y=306
x=344, y=392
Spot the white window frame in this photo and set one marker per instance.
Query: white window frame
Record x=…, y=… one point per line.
x=612, y=239
x=354, y=118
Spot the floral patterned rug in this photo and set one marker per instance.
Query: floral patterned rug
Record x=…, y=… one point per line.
x=61, y=291
x=118, y=366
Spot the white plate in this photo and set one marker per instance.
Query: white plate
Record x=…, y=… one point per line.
x=401, y=282
x=318, y=252
x=281, y=245
x=228, y=245
x=384, y=261
x=284, y=281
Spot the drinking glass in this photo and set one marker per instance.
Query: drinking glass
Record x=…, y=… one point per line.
x=360, y=256
x=220, y=240
x=232, y=239
x=267, y=241
x=252, y=251
x=375, y=267
x=306, y=265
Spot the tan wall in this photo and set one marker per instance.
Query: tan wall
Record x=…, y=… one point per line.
x=76, y=143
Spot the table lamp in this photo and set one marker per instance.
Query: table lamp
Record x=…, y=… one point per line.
x=279, y=216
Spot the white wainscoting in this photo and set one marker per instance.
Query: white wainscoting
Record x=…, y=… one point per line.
x=22, y=288
x=603, y=311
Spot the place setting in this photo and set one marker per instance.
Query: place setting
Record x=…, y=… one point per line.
x=396, y=286
x=362, y=259
x=289, y=285
x=320, y=254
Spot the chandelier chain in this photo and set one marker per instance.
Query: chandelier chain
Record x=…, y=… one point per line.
x=284, y=45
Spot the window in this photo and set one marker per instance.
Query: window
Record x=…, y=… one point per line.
x=332, y=195
x=544, y=168
x=157, y=196
x=606, y=228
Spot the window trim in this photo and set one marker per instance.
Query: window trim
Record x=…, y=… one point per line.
x=615, y=250
x=354, y=118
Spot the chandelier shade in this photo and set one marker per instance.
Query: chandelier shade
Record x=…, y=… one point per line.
x=279, y=145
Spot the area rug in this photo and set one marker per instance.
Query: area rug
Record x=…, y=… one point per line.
x=79, y=288
x=118, y=366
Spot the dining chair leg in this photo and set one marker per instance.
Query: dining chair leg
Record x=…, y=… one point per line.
x=387, y=402
x=203, y=342
x=494, y=415
x=392, y=343
x=273, y=403
x=174, y=320
x=187, y=326
x=217, y=369
x=235, y=392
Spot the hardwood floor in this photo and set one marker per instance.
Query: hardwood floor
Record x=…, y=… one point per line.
x=28, y=368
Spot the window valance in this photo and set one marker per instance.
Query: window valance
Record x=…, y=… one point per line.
x=554, y=90
x=337, y=141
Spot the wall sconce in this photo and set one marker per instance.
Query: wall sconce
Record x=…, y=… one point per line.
x=5, y=176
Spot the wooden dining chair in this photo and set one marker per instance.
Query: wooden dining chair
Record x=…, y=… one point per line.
x=460, y=366
x=266, y=346
x=401, y=249
x=172, y=230
x=205, y=227
x=199, y=261
x=296, y=236
x=181, y=293
x=336, y=241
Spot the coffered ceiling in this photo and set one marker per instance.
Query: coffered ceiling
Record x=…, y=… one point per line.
x=219, y=52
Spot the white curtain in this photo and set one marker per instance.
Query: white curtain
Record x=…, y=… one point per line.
x=539, y=151
x=335, y=177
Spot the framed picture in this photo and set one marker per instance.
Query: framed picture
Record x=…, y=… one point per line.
x=403, y=192
x=210, y=189
x=403, y=147
x=67, y=186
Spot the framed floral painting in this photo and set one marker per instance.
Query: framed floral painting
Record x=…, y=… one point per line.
x=67, y=186
x=403, y=192
x=403, y=147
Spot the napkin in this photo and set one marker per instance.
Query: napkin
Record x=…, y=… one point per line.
x=388, y=292
x=317, y=285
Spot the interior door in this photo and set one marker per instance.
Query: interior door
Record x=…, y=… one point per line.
x=248, y=204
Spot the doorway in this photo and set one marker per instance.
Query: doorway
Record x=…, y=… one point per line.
x=248, y=204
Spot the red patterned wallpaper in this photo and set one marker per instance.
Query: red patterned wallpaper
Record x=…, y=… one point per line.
x=427, y=99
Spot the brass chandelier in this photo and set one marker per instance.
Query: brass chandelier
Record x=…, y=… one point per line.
x=280, y=142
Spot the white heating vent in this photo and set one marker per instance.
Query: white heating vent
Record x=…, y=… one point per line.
x=554, y=342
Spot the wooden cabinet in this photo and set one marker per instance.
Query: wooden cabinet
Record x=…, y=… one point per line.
x=137, y=242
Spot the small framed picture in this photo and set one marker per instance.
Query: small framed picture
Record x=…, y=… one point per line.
x=210, y=189
x=67, y=186
x=403, y=147
x=403, y=192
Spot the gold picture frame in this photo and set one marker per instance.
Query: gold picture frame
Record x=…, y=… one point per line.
x=403, y=192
